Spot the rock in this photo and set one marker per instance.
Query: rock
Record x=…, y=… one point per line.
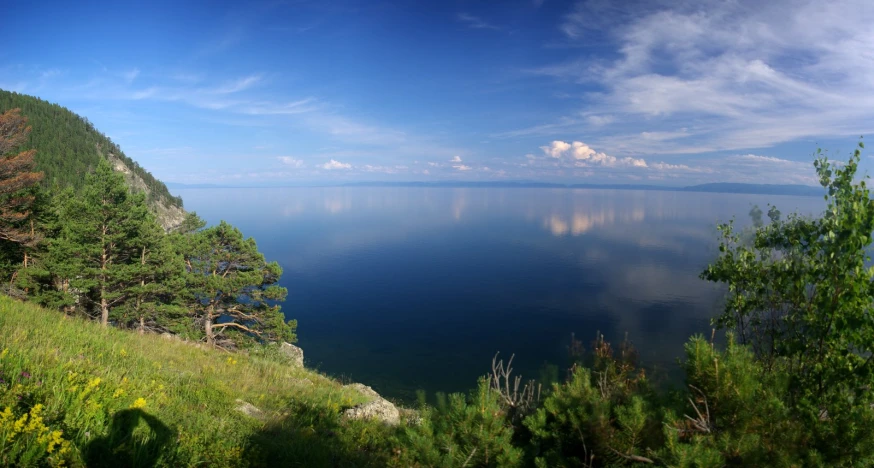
x=249, y=409
x=364, y=390
x=292, y=352
x=411, y=416
x=304, y=381
x=379, y=409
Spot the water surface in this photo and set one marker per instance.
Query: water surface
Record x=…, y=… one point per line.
x=417, y=288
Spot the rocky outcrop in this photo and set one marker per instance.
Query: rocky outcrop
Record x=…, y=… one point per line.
x=292, y=352
x=379, y=408
x=168, y=215
x=249, y=409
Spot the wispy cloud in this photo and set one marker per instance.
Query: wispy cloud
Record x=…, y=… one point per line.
x=238, y=85
x=733, y=75
x=475, y=22
x=291, y=162
x=131, y=75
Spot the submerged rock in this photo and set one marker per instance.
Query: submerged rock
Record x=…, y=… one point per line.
x=291, y=351
x=379, y=409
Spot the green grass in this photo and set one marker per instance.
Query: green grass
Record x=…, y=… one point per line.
x=123, y=399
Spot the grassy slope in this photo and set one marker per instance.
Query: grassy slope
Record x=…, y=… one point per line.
x=189, y=393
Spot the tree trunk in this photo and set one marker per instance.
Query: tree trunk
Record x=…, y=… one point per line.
x=104, y=308
x=142, y=325
x=207, y=327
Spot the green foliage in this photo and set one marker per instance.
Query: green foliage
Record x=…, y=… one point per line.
x=733, y=413
x=466, y=430
x=69, y=147
x=599, y=416
x=96, y=251
x=227, y=278
x=801, y=296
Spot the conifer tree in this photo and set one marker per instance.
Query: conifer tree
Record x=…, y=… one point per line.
x=95, y=256
x=17, y=181
x=156, y=276
x=232, y=288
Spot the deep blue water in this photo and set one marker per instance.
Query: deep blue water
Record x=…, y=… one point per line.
x=417, y=288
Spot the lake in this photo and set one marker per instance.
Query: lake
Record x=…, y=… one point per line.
x=417, y=288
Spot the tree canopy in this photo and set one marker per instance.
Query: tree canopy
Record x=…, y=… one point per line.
x=68, y=146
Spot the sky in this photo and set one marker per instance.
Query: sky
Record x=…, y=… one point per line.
x=288, y=93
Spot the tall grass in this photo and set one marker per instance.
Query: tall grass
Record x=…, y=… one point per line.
x=109, y=397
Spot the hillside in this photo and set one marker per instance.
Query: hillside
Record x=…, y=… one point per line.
x=68, y=146
x=124, y=399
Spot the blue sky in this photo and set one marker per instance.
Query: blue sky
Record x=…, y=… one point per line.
x=298, y=92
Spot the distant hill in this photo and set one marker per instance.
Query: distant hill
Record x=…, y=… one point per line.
x=724, y=187
x=766, y=189
x=68, y=147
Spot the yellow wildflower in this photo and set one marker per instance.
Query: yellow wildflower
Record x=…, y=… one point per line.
x=119, y=392
x=55, y=439
x=139, y=403
x=6, y=415
x=4, y=353
x=18, y=426
x=93, y=383
x=123, y=353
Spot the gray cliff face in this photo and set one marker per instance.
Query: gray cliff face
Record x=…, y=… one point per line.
x=169, y=216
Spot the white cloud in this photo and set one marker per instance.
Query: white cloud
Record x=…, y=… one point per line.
x=461, y=167
x=475, y=22
x=291, y=162
x=556, y=148
x=334, y=165
x=582, y=155
x=455, y=159
x=737, y=74
x=600, y=120
x=238, y=85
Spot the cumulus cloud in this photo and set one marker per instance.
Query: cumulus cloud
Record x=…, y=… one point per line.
x=291, y=162
x=556, y=148
x=455, y=159
x=583, y=155
x=334, y=165
x=461, y=167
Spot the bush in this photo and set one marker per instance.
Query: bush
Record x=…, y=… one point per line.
x=466, y=430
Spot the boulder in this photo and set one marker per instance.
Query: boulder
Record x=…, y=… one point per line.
x=379, y=408
x=294, y=353
x=364, y=390
x=249, y=409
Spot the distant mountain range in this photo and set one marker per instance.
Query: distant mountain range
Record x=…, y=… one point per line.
x=722, y=187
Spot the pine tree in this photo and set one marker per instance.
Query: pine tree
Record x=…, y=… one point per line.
x=232, y=288
x=156, y=276
x=95, y=256
x=17, y=181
